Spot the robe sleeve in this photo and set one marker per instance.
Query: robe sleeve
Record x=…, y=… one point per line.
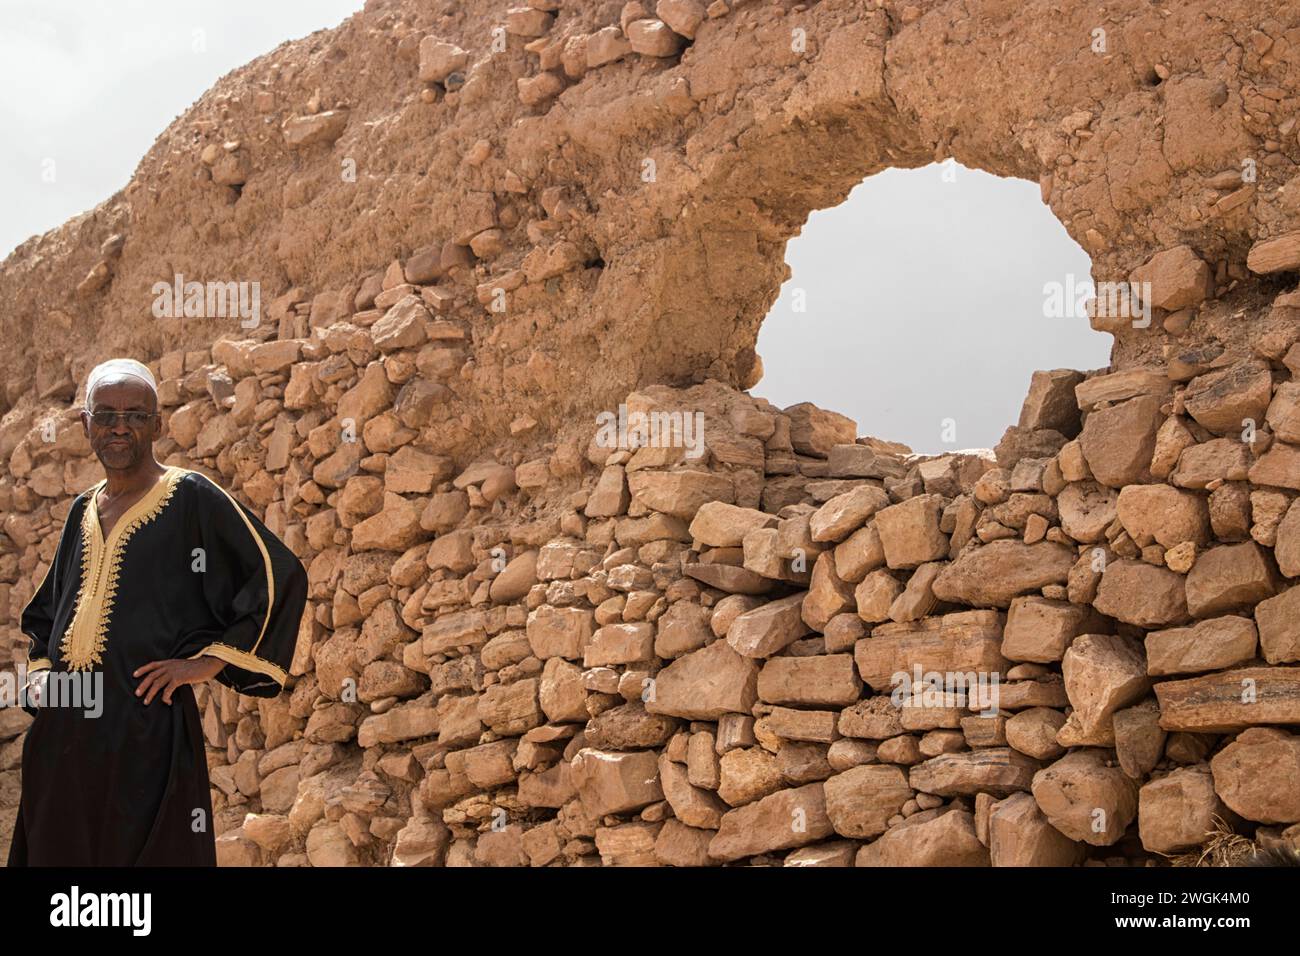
x=256, y=589
x=37, y=618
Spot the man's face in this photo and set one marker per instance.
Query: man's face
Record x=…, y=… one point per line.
x=122, y=440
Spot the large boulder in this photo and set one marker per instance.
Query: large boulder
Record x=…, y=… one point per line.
x=1176, y=812
x=1258, y=775
x=995, y=574
x=1087, y=799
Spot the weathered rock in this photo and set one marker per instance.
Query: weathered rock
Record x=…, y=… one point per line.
x=997, y=770
x=832, y=853
x=680, y=845
x=629, y=844
x=1050, y=402
x=302, y=131
x=1231, y=399
x=827, y=595
x=1286, y=550
x=1278, y=254
x=1163, y=514
x=961, y=642
x=629, y=727
x=815, y=431
x=995, y=574
x=909, y=532
x=818, y=681
x=930, y=838
x=1040, y=630
x=1085, y=799
x=729, y=578
x=1279, y=628
x=1283, y=415
x=1227, y=701
x=1176, y=812
x=1087, y=509
x=1258, y=775
x=706, y=684
x=692, y=805
x=684, y=16
x=844, y=514
x=402, y=326
x=653, y=38
x=1141, y=594
x=769, y=628
x=684, y=627
x=1103, y=672
x=1139, y=738
x=721, y=525
x=1279, y=467
x=560, y=631
x=748, y=774
x=679, y=493
x=1118, y=441
x=610, y=782
x=785, y=819
x=875, y=595
x=614, y=644
x=861, y=801
x=606, y=46
x=1177, y=278
x=1205, y=646
x=1228, y=577
x=859, y=554
x=918, y=598
x=439, y=59
x=1020, y=835
x=1033, y=732
x=1223, y=459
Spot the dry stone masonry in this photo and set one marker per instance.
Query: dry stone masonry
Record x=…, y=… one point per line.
x=486, y=239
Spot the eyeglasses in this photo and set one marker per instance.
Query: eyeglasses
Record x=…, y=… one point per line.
x=134, y=419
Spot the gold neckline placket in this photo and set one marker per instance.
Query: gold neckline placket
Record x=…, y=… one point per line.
x=101, y=562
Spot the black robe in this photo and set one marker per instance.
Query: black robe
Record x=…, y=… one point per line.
x=186, y=571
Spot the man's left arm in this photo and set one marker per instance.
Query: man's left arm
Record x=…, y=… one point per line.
x=256, y=590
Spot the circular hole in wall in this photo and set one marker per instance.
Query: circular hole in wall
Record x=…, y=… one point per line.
x=922, y=305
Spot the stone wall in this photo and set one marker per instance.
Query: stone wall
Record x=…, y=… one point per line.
x=525, y=646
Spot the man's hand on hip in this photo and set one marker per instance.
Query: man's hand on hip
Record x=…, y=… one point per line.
x=35, y=687
x=166, y=676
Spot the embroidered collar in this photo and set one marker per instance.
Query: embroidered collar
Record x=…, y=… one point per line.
x=101, y=562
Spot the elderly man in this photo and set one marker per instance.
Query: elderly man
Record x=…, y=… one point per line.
x=161, y=580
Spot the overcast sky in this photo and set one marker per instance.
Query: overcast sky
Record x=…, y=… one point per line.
x=923, y=298
x=90, y=84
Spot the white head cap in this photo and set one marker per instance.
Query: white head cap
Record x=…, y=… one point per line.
x=115, y=368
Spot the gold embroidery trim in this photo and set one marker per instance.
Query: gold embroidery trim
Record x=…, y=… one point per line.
x=40, y=664
x=90, y=562
x=101, y=564
x=249, y=662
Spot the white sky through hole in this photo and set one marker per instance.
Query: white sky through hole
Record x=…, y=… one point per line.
x=924, y=301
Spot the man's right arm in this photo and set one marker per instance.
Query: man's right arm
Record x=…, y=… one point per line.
x=37, y=618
